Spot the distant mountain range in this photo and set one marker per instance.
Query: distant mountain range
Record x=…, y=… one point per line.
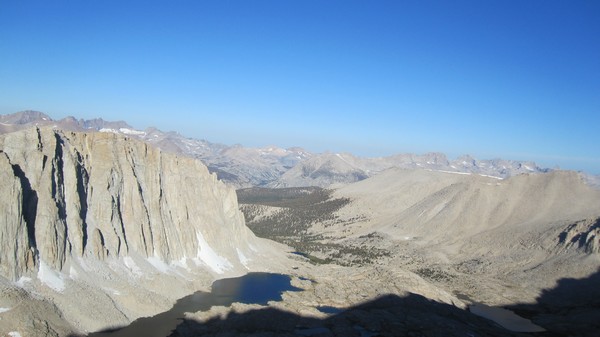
x=277, y=167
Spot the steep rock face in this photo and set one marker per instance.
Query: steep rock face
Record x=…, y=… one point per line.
x=17, y=253
x=584, y=235
x=69, y=195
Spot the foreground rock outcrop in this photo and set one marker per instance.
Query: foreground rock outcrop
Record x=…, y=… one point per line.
x=583, y=235
x=99, y=223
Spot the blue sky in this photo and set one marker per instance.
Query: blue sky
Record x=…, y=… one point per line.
x=511, y=79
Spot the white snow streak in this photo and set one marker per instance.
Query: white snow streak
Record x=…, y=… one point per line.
x=485, y=175
x=124, y=131
x=132, y=132
x=451, y=172
x=466, y=173
x=182, y=263
x=73, y=273
x=157, y=263
x=50, y=277
x=108, y=130
x=209, y=257
x=4, y=310
x=23, y=280
x=243, y=259
x=83, y=264
x=14, y=334
x=129, y=263
x=343, y=159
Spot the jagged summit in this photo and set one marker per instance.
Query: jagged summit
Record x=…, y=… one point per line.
x=99, y=123
x=24, y=117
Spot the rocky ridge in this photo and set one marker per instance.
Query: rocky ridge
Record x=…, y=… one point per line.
x=107, y=229
x=273, y=166
x=583, y=235
x=104, y=228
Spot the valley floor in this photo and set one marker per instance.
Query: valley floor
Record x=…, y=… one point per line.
x=545, y=269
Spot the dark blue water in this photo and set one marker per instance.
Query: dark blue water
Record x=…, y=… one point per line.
x=257, y=288
x=301, y=254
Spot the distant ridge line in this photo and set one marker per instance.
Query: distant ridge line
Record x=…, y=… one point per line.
x=278, y=167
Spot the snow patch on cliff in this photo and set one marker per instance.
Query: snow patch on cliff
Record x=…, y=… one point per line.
x=209, y=257
x=130, y=264
x=50, y=277
x=243, y=259
x=181, y=263
x=157, y=263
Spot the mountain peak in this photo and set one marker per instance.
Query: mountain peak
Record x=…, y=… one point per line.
x=272, y=165
x=99, y=123
x=24, y=117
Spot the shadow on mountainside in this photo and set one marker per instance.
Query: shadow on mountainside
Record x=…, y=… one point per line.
x=389, y=315
x=572, y=308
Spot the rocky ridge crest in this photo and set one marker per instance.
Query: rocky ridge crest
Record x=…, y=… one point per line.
x=272, y=166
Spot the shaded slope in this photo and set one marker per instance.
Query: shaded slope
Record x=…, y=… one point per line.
x=497, y=241
x=571, y=308
x=388, y=315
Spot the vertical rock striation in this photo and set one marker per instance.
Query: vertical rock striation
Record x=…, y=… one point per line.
x=69, y=195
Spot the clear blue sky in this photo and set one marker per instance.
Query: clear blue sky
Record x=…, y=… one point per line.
x=511, y=79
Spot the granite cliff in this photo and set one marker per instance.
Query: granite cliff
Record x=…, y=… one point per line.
x=114, y=218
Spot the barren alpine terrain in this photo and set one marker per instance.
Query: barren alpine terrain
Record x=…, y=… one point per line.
x=101, y=229
x=309, y=168
x=501, y=242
